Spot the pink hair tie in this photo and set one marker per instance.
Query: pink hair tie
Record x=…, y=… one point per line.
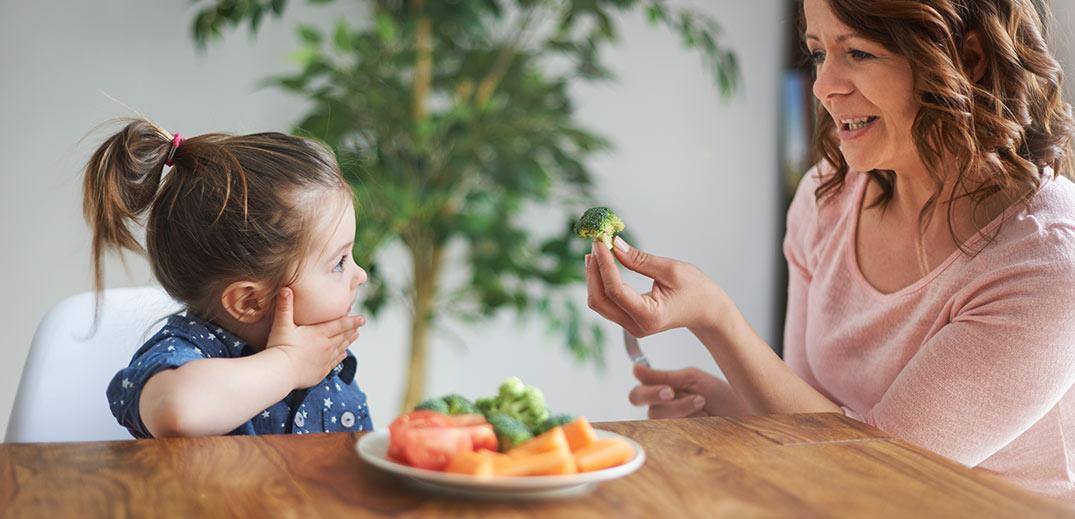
x=176, y=141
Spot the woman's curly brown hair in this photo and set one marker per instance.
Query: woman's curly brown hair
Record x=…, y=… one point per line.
x=1000, y=132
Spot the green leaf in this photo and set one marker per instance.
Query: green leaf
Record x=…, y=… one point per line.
x=655, y=12
x=386, y=29
x=304, y=55
x=342, y=37
x=255, y=21
x=309, y=34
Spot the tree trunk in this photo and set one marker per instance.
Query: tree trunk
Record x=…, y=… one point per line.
x=427, y=265
x=425, y=253
x=423, y=67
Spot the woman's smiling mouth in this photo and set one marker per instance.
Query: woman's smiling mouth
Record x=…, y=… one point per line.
x=853, y=127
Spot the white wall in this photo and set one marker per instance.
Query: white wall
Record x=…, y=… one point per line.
x=1060, y=40
x=683, y=160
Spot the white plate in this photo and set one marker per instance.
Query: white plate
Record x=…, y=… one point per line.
x=373, y=447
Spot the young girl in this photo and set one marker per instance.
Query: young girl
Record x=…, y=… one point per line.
x=253, y=235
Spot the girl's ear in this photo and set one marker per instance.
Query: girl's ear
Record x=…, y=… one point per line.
x=246, y=301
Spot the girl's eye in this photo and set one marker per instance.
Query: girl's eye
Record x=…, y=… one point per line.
x=339, y=264
x=859, y=55
x=816, y=57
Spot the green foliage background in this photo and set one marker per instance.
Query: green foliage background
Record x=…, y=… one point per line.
x=450, y=118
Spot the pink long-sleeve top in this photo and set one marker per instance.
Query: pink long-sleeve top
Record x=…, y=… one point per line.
x=975, y=361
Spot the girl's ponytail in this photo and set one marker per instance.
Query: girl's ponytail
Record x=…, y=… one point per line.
x=120, y=184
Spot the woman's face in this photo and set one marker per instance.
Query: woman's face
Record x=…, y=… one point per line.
x=326, y=286
x=867, y=90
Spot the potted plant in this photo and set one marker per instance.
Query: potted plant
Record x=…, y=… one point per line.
x=452, y=118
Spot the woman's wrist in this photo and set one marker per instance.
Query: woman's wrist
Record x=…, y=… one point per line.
x=717, y=318
x=728, y=337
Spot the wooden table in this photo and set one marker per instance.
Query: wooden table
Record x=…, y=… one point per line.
x=793, y=465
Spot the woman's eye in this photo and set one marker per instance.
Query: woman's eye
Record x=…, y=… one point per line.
x=339, y=264
x=859, y=55
x=816, y=57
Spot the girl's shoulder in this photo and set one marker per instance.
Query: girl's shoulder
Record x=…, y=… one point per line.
x=171, y=346
x=188, y=332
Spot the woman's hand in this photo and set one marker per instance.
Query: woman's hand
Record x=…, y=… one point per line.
x=684, y=393
x=682, y=295
x=312, y=350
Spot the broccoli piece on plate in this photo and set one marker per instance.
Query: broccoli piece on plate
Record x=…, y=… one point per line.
x=522, y=402
x=458, y=404
x=486, y=406
x=433, y=404
x=554, y=421
x=517, y=400
x=509, y=432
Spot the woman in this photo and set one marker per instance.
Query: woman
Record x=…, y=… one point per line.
x=931, y=253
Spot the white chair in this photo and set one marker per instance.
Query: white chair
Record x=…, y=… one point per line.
x=61, y=394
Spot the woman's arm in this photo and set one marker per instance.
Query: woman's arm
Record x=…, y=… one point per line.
x=1003, y=362
x=996, y=369
x=214, y=396
x=763, y=382
x=683, y=296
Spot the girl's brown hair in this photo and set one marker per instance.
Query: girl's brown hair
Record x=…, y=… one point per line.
x=999, y=132
x=232, y=207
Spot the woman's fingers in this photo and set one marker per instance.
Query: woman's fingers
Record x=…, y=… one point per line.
x=599, y=302
x=668, y=393
x=625, y=297
x=678, y=379
x=649, y=265
x=650, y=395
x=681, y=407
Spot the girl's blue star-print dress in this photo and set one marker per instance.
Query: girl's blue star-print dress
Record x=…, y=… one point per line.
x=336, y=404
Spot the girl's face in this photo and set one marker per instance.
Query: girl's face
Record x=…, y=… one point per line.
x=326, y=286
x=867, y=90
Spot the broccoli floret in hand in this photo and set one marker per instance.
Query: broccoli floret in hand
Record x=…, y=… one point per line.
x=599, y=224
x=509, y=431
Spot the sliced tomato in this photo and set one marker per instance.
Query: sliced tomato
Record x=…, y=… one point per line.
x=420, y=418
x=433, y=447
x=463, y=420
x=395, y=451
x=482, y=436
x=428, y=439
x=417, y=419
